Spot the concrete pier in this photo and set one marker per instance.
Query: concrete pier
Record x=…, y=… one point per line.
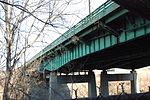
x=91, y=85
x=53, y=85
x=105, y=78
x=56, y=80
x=104, y=83
x=134, y=82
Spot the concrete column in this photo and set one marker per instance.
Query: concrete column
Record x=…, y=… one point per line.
x=134, y=82
x=53, y=86
x=104, y=83
x=91, y=85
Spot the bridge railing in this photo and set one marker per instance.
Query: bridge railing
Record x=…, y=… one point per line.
x=84, y=23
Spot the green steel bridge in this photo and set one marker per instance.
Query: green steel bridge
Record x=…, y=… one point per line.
x=109, y=37
x=112, y=36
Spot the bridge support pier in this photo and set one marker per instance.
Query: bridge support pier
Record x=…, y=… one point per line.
x=105, y=78
x=134, y=82
x=104, y=83
x=53, y=86
x=55, y=81
x=91, y=85
x=58, y=89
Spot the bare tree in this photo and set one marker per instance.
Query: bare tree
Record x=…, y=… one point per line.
x=23, y=24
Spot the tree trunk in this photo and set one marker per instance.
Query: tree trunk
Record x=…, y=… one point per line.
x=9, y=41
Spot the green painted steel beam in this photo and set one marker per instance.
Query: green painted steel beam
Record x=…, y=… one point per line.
x=110, y=13
x=101, y=43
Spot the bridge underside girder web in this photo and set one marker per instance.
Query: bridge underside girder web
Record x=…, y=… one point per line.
x=130, y=50
x=118, y=39
x=133, y=54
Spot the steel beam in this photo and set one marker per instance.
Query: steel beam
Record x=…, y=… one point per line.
x=119, y=77
x=63, y=79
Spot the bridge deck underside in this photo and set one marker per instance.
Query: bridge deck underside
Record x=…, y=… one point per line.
x=132, y=54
